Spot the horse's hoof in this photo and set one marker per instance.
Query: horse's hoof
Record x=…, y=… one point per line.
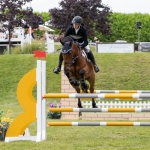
x=95, y=106
x=87, y=86
x=76, y=83
x=84, y=87
x=80, y=106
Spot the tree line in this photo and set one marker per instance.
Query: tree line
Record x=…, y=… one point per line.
x=123, y=27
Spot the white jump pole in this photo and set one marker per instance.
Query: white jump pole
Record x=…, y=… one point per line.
x=44, y=100
x=30, y=34
x=41, y=103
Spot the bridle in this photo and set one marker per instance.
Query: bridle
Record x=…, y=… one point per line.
x=73, y=59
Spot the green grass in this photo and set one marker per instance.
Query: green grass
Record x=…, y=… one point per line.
x=118, y=71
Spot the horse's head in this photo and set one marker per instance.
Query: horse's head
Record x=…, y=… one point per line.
x=70, y=51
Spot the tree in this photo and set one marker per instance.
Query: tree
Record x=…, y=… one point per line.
x=45, y=15
x=31, y=19
x=95, y=15
x=12, y=15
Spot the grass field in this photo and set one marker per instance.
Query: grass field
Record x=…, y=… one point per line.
x=118, y=71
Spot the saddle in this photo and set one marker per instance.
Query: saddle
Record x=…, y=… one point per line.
x=84, y=54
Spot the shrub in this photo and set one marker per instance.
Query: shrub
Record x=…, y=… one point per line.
x=54, y=115
x=4, y=124
x=39, y=33
x=27, y=48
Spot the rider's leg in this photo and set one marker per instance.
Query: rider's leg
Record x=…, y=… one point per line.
x=58, y=68
x=91, y=57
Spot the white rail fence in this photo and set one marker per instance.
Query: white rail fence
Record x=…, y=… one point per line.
x=117, y=104
x=49, y=44
x=18, y=35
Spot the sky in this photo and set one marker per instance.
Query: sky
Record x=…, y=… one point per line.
x=123, y=6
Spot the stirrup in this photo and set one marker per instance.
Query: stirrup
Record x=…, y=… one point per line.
x=96, y=68
x=56, y=70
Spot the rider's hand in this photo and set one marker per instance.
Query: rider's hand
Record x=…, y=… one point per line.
x=78, y=44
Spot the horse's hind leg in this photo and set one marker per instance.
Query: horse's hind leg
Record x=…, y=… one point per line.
x=93, y=103
x=79, y=101
x=80, y=106
x=84, y=85
x=78, y=91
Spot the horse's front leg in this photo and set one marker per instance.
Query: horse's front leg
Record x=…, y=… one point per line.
x=71, y=80
x=84, y=85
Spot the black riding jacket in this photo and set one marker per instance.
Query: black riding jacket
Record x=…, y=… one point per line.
x=80, y=37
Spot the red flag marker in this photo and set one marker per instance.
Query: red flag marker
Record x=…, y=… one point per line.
x=39, y=54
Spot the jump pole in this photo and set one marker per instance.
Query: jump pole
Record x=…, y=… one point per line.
x=99, y=123
x=87, y=95
x=117, y=92
x=120, y=91
x=99, y=109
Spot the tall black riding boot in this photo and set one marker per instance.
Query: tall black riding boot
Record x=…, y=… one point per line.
x=91, y=57
x=58, y=68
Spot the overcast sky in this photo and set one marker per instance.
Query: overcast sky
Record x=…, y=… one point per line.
x=123, y=6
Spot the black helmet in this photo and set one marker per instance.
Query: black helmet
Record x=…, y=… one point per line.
x=77, y=20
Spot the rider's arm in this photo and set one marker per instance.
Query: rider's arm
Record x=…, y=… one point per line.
x=85, y=43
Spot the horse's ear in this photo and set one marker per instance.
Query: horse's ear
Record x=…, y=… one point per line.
x=62, y=42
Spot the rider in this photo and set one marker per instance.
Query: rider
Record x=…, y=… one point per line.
x=78, y=32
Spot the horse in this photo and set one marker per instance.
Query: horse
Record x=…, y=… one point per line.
x=78, y=68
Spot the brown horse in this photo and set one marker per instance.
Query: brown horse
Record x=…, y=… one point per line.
x=78, y=68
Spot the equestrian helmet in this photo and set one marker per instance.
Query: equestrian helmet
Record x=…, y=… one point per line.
x=77, y=20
